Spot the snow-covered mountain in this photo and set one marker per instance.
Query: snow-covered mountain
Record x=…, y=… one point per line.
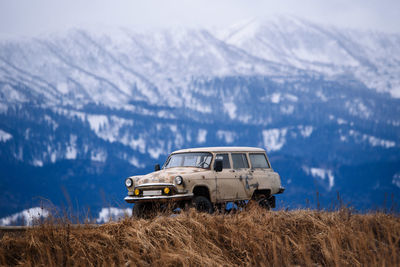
x=371, y=57
x=81, y=110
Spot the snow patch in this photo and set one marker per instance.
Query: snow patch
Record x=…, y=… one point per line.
x=276, y=98
x=341, y=121
x=139, y=143
x=202, y=136
x=97, y=122
x=228, y=136
x=135, y=162
x=322, y=174
x=53, y=157
x=62, y=88
x=274, y=139
x=71, y=151
x=155, y=152
x=287, y=109
x=37, y=163
x=179, y=140
x=291, y=97
x=244, y=118
x=358, y=108
x=173, y=128
x=13, y=95
x=372, y=140
x=230, y=109
x=19, y=153
x=112, y=214
x=108, y=128
x=27, y=217
x=310, y=55
x=51, y=122
x=396, y=179
x=188, y=136
x=306, y=131
x=4, y=136
x=99, y=156
x=321, y=96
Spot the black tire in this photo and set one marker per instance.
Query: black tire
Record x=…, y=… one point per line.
x=202, y=204
x=263, y=201
x=142, y=210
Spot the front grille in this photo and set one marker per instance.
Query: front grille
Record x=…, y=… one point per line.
x=153, y=191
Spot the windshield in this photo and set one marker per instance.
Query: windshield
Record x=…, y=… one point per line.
x=200, y=160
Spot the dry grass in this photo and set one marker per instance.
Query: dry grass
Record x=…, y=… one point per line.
x=253, y=237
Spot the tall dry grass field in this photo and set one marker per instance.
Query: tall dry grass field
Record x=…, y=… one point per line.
x=254, y=237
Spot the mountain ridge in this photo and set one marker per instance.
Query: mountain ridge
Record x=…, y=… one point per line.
x=129, y=99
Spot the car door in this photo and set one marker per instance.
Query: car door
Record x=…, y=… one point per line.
x=228, y=187
x=243, y=176
x=261, y=171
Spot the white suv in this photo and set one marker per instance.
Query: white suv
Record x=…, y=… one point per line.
x=205, y=178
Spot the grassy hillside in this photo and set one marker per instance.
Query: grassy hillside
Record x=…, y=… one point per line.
x=253, y=237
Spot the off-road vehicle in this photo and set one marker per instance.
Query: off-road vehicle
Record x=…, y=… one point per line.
x=206, y=178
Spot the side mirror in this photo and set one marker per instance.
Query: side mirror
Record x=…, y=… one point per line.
x=218, y=165
x=157, y=167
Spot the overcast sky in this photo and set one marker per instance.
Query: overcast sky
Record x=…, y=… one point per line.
x=34, y=17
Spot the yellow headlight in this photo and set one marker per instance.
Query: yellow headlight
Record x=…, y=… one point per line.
x=137, y=192
x=166, y=190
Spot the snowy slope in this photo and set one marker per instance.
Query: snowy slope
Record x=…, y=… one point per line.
x=96, y=106
x=372, y=57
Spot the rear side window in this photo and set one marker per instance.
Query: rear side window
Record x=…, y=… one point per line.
x=258, y=161
x=225, y=160
x=239, y=161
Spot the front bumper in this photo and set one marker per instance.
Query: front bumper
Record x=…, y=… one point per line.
x=177, y=197
x=281, y=190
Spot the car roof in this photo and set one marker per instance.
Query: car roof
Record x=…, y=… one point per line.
x=221, y=149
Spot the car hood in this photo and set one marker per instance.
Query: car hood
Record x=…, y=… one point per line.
x=166, y=176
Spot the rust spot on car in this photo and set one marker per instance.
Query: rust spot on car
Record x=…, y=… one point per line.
x=254, y=185
x=247, y=184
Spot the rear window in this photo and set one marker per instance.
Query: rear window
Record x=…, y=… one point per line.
x=258, y=161
x=239, y=161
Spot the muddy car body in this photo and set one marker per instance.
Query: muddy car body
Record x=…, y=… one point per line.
x=207, y=177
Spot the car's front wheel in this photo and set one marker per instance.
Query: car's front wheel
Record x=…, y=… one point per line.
x=264, y=201
x=202, y=204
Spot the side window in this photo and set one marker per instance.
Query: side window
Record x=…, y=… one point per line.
x=258, y=161
x=239, y=161
x=225, y=160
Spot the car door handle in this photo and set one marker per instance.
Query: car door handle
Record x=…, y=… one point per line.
x=232, y=170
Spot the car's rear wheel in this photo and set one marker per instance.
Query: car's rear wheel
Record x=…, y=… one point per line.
x=263, y=201
x=202, y=204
